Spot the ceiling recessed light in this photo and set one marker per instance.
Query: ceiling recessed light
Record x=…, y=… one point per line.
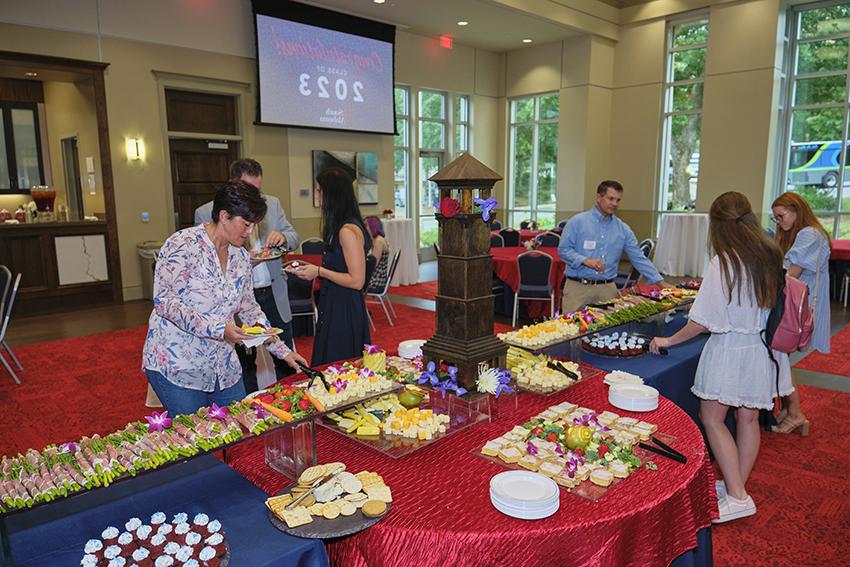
x=526, y=40
x=30, y=74
x=462, y=23
x=379, y=1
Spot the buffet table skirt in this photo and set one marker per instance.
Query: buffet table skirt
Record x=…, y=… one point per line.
x=442, y=514
x=56, y=534
x=506, y=269
x=401, y=235
x=682, y=248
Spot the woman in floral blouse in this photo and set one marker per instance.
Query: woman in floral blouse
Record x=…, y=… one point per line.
x=203, y=279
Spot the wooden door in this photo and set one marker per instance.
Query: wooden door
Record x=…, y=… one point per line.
x=198, y=169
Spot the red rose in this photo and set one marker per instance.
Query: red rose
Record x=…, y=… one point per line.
x=603, y=449
x=553, y=437
x=285, y=405
x=449, y=207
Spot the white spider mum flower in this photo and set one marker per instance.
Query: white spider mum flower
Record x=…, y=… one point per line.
x=488, y=379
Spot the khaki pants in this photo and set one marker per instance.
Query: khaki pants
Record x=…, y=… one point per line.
x=577, y=294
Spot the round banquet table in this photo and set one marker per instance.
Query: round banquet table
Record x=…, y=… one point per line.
x=400, y=234
x=442, y=514
x=506, y=269
x=682, y=248
x=840, y=250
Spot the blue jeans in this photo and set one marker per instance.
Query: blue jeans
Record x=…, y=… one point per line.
x=180, y=400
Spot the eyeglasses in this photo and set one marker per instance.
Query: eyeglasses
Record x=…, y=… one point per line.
x=776, y=218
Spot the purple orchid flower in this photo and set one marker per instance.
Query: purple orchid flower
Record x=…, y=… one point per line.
x=504, y=381
x=340, y=385
x=371, y=349
x=261, y=412
x=442, y=387
x=70, y=447
x=531, y=449
x=487, y=206
x=430, y=375
x=216, y=412
x=158, y=421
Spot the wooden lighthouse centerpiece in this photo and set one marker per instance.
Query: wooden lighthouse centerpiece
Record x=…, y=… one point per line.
x=465, y=309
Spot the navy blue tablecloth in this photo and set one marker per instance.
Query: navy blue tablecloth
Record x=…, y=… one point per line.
x=672, y=374
x=56, y=534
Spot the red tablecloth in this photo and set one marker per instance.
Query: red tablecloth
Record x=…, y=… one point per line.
x=840, y=250
x=506, y=268
x=442, y=515
x=524, y=233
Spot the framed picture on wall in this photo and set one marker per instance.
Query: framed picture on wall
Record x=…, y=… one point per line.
x=361, y=166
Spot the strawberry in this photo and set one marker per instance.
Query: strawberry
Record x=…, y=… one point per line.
x=266, y=398
x=603, y=449
x=304, y=404
x=553, y=437
x=285, y=405
x=537, y=431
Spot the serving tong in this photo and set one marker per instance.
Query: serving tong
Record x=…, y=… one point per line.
x=321, y=481
x=312, y=373
x=648, y=339
x=664, y=450
x=556, y=365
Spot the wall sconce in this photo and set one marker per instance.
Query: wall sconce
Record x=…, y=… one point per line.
x=135, y=149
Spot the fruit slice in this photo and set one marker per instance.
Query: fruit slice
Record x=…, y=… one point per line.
x=368, y=430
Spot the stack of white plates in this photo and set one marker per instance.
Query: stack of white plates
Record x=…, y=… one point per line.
x=410, y=349
x=633, y=397
x=524, y=494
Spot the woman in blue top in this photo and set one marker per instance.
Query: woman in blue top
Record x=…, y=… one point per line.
x=806, y=246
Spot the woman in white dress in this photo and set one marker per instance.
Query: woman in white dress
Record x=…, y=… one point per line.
x=735, y=370
x=805, y=243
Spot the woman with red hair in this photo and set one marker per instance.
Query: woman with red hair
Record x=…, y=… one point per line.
x=806, y=246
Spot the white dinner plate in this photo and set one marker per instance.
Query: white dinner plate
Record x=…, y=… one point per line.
x=410, y=349
x=633, y=397
x=524, y=487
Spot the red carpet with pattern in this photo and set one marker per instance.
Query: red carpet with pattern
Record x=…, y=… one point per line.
x=94, y=384
x=422, y=290
x=801, y=490
x=836, y=362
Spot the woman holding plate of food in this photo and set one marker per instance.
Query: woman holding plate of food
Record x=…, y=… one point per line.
x=343, y=327
x=202, y=282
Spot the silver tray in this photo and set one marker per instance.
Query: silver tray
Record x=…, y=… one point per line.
x=322, y=528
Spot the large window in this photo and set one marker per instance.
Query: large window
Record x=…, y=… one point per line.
x=20, y=148
x=815, y=159
x=401, y=152
x=533, y=162
x=433, y=127
x=687, y=45
x=462, y=119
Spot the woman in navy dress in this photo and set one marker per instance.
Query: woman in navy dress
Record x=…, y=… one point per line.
x=343, y=327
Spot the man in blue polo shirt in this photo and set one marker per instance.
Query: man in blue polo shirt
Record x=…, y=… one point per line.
x=592, y=244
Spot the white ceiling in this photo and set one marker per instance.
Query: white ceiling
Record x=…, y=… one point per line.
x=491, y=26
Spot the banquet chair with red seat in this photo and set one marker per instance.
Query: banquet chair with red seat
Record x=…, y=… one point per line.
x=9, y=289
x=535, y=284
x=510, y=236
x=549, y=240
